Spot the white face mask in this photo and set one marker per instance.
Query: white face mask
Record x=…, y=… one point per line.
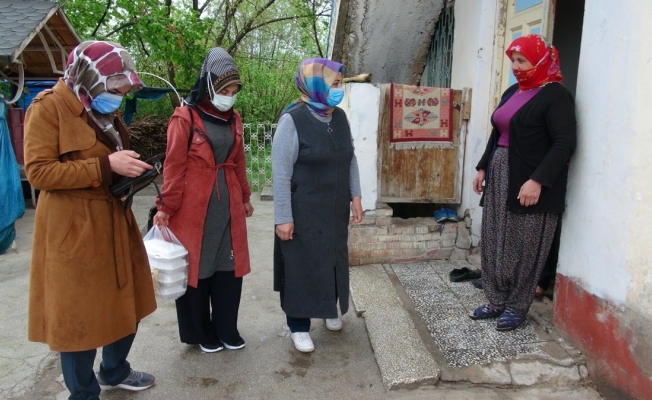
x=221, y=102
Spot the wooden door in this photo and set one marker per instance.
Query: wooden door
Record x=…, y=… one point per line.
x=523, y=18
x=428, y=175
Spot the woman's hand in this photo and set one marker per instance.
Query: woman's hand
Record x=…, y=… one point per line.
x=356, y=209
x=249, y=209
x=529, y=193
x=127, y=163
x=478, y=181
x=161, y=219
x=285, y=231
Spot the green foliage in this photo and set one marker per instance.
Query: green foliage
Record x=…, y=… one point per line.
x=169, y=38
x=266, y=91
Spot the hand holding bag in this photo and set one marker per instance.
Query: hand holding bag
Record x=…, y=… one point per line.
x=133, y=185
x=168, y=261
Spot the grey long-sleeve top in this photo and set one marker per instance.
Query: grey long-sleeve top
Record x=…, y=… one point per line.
x=285, y=151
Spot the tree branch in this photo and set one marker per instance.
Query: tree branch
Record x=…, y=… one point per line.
x=202, y=8
x=314, y=31
x=229, y=13
x=248, y=28
x=101, y=21
x=142, y=46
x=171, y=77
x=121, y=27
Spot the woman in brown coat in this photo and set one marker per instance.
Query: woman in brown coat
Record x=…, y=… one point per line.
x=90, y=282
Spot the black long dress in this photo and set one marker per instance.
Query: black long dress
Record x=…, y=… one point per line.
x=312, y=270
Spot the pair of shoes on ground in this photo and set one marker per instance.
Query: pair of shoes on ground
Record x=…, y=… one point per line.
x=136, y=381
x=302, y=340
x=445, y=214
x=463, y=274
x=215, y=347
x=507, y=319
x=478, y=283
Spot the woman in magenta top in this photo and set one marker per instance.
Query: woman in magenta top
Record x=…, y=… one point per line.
x=522, y=178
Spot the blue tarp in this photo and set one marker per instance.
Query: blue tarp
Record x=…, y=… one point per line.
x=146, y=93
x=12, y=204
x=32, y=88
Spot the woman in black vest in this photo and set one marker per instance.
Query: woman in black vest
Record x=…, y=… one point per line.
x=316, y=180
x=524, y=170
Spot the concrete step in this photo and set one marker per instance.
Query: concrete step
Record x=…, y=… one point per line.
x=403, y=359
x=415, y=302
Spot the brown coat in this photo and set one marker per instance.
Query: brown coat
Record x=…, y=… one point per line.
x=90, y=281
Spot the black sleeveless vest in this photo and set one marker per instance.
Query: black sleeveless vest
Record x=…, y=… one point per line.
x=315, y=263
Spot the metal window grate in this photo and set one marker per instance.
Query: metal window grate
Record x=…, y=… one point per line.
x=439, y=63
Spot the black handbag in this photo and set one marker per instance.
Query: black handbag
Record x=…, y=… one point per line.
x=126, y=187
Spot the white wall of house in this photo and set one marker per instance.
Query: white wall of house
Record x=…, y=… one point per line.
x=606, y=235
x=473, y=66
x=361, y=104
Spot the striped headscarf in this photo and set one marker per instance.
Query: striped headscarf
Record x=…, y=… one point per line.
x=218, y=69
x=90, y=65
x=314, y=79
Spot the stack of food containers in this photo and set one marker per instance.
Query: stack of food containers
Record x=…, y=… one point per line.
x=169, y=267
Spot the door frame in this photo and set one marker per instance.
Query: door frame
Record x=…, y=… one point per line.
x=499, y=56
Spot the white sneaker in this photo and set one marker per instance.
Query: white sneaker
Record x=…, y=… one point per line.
x=333, y=324
x=303, y=342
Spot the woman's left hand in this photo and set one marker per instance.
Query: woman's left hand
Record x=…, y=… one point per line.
x=249, y=209
x=356, y=209
x=529, y=193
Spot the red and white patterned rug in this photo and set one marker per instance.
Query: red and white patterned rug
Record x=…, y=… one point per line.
x=420, y=114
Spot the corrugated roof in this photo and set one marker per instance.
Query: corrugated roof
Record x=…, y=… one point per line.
x=19, y=20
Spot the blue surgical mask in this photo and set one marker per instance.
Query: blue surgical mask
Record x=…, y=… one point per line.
x=106, y=103
x=335, y=96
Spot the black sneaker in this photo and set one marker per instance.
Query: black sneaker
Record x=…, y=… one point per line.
x=478, y=283
x=240, y=343
x=135, y=382
x=211, y=348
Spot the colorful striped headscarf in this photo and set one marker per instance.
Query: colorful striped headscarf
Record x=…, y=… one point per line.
x=544, y=57
x=90, y=65
x=314, y=79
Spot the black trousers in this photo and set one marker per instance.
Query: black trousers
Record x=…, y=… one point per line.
x=208, y=314
x=550, y=268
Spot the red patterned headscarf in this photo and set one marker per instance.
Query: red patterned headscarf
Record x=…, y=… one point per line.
x=544, y=57
x=90, y=65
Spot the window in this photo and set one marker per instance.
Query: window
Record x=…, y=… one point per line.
x=439, y=62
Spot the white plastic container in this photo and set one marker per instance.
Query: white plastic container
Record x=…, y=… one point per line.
x=171, y=293
x=170, y=266
x=168, y=279
x=160, y=249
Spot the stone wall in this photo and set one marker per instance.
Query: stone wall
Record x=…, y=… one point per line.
x=381, y=238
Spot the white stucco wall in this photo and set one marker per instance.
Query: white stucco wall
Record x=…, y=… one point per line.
x=606, y=233
x=473, y=58
x=361, y=104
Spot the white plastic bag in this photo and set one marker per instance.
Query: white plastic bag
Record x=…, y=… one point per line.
x=168, y=261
